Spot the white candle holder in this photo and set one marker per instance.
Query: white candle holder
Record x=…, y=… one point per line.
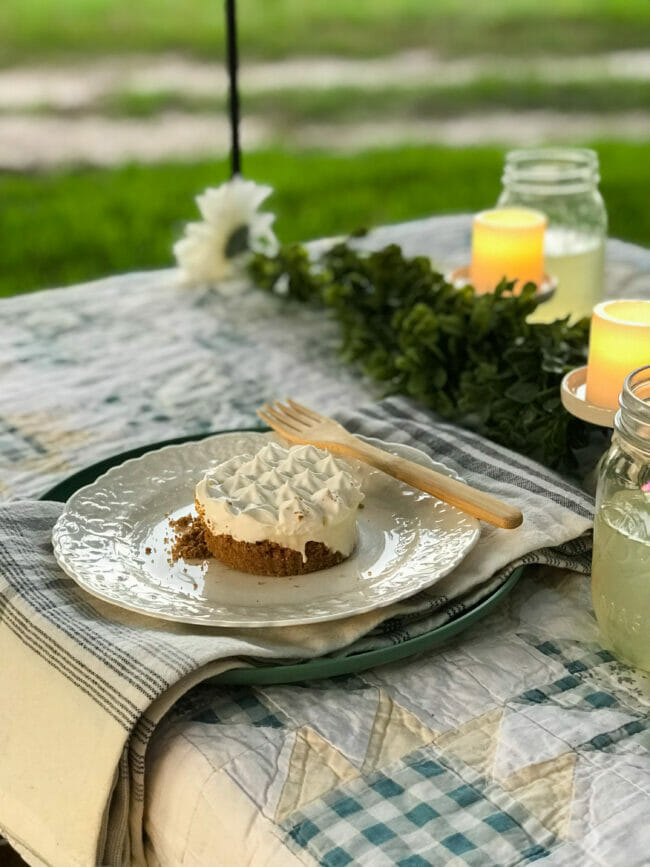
x=619, y=343
x=461, y=277
x=574, y=400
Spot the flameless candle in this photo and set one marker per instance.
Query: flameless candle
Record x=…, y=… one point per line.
x=507, y=242
x=619, y=343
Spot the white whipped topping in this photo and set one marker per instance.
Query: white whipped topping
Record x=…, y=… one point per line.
x=289, y=496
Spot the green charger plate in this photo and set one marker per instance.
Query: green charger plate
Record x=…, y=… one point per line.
x=62, y=491
x=328, y=666
x=313, y=669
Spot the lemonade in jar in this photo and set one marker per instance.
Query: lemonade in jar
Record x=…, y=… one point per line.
x=620, y=577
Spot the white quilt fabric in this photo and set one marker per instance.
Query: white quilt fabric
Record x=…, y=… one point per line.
x=522, y=740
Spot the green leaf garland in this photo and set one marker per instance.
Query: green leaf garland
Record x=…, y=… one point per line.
x=474, y=359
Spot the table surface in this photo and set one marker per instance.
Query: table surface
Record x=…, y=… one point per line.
x=527, y=719
x=103, y=367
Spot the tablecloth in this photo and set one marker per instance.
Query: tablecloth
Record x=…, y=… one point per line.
x=117, y=363
x=90, y=682
x=103, y=367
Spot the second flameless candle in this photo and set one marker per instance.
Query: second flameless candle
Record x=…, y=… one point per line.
x=618, y=344
x=507, y=242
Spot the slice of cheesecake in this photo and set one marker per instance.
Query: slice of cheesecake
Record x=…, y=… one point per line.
x=281, y=511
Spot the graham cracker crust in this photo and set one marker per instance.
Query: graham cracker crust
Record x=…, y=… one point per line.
x=189, y=539
x=269, y=558
x=192, y=540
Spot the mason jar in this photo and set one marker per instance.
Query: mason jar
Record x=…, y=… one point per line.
x=620, y=577
x=563, y=184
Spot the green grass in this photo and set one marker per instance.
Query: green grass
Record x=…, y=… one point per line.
x=356, y=104
x=68, y=227
x=353, y=104
x=49, y=29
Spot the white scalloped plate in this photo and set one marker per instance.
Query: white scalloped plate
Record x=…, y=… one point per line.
x=406, y=542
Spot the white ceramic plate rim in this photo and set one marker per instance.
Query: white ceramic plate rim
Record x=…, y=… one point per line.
x=84, y=578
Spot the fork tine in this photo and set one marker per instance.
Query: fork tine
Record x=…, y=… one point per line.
x=278, y=420
x=301, y=421
x=310, y=413
x=265, y=418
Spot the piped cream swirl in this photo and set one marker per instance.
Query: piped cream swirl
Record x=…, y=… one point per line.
x=289, y=496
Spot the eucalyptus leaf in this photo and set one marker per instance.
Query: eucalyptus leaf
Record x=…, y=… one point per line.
x=472, y=358
x=522, y=392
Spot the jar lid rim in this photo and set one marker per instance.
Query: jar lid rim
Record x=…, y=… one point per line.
x=586, y=155
x=539, y=169
x=632, y=420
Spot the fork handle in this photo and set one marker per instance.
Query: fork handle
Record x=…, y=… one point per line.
x=464, y=497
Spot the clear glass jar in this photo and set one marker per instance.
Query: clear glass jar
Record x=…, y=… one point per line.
x=620, y=577
x=563, y=184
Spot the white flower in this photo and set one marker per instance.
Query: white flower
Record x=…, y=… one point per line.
x=216, y=249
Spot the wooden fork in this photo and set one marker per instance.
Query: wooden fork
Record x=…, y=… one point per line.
x=298, y=424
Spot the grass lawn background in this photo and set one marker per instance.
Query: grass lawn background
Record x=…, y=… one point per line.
x=73, y=226
x=50, y=29
x=68, y=226
x=294, y=106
